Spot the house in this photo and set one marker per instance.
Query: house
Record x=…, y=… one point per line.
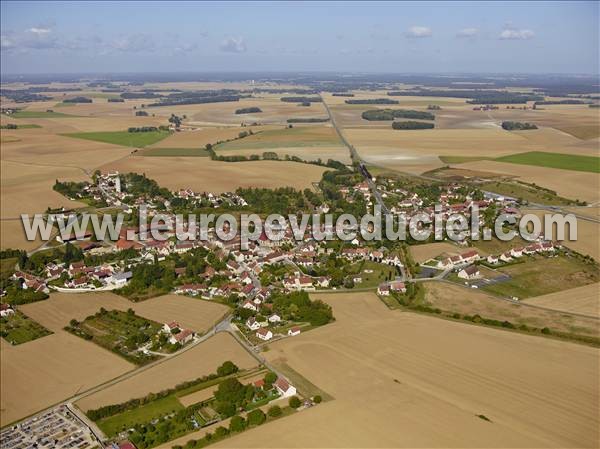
x=547, y=247
x=292, y=332
x=252, y=324
x=506, y=257
x=170, y=327
x=274, y=318
x=183, y=337
x=6, y=310
x=322, y=281
x=126, y=445
x=249, y=305
x=492, y=259
x=264, y=334
x=120, y=279
x=470, y=256
x=284, y=388
x=470, y=272
x=398, y=286
x=190, y=289
x=516, y=252
x=383, y=290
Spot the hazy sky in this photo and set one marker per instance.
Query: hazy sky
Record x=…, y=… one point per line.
x=538, y=37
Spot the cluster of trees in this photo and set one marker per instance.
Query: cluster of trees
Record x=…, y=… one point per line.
x=23, y=96
x=518, y=126
x=373, y=101
x=138, y=185
x=78, y=100
x=70, y=189
x=301, y=99
x=9, y=126
x=250, y=110
x=282, y=200
x=141, y=114
x=410, y=124
x=142, y=129
x=116, y=100
x=139, y=95
x=226, y=369
x=195, y=98
x=307, y=120
x=148, y=276
x=550, y=102
x=474, y=96
x=297, y=306
x=391, y=114
x=342, y=94
x=434, y=107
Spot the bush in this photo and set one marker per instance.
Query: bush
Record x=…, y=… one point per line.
x=317, y=399
x=295, y=402
x=256, y=417
x=275, y=411
x=410, y=124
x=237, y=424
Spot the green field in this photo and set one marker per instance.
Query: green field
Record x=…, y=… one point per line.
x=123, y=138
x=540, y=275
x=175, y=152
x=40, y=114
x=555, y=160
x=28, y=126
x=143, y=414
x=19, y=328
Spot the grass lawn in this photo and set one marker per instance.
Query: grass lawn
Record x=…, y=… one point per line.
x=7, y=267
x=19, y=328
x=540, y=275
x=175, y=152
x=39, y=114
x=143, y=414
x=380, y=273
x=555, y=160
x=123, y=138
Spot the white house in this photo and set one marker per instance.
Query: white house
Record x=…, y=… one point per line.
x=274, y=318
x=6, y=310
x=492, y=259
x=170, y=327
x=506, y=257
x=252, y=324
x=284, y=388
x=383, y=290
x=516, y=252
x=470, y=272
x=264, y=334
x=293, y=331
x=398, y=286
x=249, y=305
x=182, y=337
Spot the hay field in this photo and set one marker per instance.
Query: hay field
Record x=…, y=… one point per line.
x=56, y=312
x=406, y=380
x=568, y=184
x=421, y=253
x=43, y=372
x=584, y=300
x=196, y=362
x=203, y=174
x=466, y=301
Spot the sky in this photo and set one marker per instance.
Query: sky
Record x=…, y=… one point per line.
x=436, y=37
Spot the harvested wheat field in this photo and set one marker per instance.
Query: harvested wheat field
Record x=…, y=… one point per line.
x=203, y=174
x=421, y=253
x=56, y=312
x=191, y=364
x=584, y=300
x=406, y=380
x=566, y=183
x=468, y=301
x=48, y=370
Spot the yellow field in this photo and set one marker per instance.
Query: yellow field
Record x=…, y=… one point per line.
x=56, y=312
x=584, y=300
x=584, y=186
x=406, y=380
x=203, y=174
x=48, y=370
x=196, y=362
x=198, y=138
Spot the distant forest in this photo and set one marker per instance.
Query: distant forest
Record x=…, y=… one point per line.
x=518, y=126
x=301, y=99
x=78, y=100
x=373, y=101
x=248, y=110
x=412, y=125
x=391, y=114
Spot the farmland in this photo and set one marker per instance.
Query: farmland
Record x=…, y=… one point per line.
x=39, y=114
x=555, y=160
x=124, y=138
x=393, y=358
x=584, y=300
